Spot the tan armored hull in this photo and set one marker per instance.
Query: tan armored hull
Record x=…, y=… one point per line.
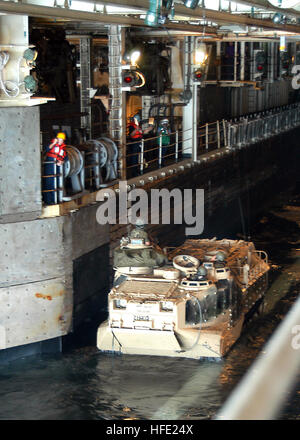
x=194, y=307
x=209, y=343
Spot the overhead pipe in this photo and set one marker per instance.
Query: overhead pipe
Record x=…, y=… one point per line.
x=47, y=12
x=182, y=10
x=153, y=13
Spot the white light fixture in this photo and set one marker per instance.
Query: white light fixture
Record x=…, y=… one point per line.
x=134, y=56
x=200, y=54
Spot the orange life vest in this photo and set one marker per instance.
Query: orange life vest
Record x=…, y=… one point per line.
x=139, y=132
x=58, y=152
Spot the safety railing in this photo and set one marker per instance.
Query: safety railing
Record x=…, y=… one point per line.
x=257, y=127
x=260, y=266
x=52, y=178
x=211, y=136
x=154, y=152
x=87, y=167
x=63, y=182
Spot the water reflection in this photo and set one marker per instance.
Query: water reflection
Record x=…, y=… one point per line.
x=157, y=387
x=91, y=385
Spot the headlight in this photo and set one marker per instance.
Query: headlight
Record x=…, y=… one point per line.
x=120, y=303
x=166, y=306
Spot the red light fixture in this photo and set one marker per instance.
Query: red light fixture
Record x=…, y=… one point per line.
x=128, y=79
x=198, y=75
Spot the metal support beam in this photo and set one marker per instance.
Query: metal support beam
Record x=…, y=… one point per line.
x=251, y=54
x=276, y=60
x=188, y=131
x=85, y=84
x=235, y=61
x=140, y=5
x=49, y=13
x=117, y=116
x=218, y=49
x=242, y=64
x=196, y=105
x=270, y=62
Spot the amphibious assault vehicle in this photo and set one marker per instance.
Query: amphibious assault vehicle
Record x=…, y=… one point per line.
x=190, y=301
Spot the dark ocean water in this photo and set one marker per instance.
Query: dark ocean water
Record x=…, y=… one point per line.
x=83, y=384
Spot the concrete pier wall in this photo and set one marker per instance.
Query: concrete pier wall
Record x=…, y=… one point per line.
x=51, y=268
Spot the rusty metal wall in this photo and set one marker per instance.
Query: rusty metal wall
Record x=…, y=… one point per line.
x=20, y=169
x=39, y=282
x=34, y=312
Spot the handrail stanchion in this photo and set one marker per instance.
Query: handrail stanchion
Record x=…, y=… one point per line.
x=142, y=157
x=224, y=133
x=176, y=146
x=229, y=143
x=160, y=151
x=206, y=136
x=59, y=182
x=218, y=134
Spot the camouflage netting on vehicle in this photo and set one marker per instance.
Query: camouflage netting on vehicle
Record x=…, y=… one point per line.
x=138, y=258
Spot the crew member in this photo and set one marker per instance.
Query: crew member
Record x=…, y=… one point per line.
x=57, y=149
x=56, y=155
x=136, y=134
